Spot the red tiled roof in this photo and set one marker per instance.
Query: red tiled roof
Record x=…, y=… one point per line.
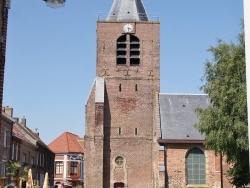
x=18, y=133
x=66, y=143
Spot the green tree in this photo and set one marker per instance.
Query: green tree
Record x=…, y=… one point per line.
x=225, y=121
x=12, y=171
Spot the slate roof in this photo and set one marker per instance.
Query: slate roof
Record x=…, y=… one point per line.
x=67, y=143
x=178, y=117
x=127, y=10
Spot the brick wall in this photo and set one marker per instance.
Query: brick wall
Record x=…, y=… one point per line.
x=128, y=124
x=3, y=38
x=6, y=128
x=175, y=166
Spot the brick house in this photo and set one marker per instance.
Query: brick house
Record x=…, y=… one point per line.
x=28, y=148
x=4, y=8
x=136, y=136
x=69, y=152
x=5, y=145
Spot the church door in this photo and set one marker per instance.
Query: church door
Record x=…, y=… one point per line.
x=119, y=185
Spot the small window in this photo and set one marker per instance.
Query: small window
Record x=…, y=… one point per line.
x=40, y=159
x=196, y=166
x=3, y=169
x=5, y=139
x=120, y=131
x=43, y=159
x=120, y=87
x=24, y=159
x=17, y=152
x=119, y=161
x=136, y=131
x=59, y=167
x=136, y=87
x=13, y=151
x=73, y=169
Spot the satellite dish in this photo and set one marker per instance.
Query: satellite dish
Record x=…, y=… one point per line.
x=55, y=3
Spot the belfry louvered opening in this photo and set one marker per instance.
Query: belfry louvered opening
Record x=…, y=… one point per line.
x=130, y=48
x=121, y=53
x=134, y=50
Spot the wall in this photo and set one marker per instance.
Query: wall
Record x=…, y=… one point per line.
x=175, y=155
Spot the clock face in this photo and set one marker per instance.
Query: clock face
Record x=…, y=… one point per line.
x=128, y=28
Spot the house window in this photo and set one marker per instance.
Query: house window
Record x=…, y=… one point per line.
x=3, y=169
x=73, y=168
x=13, y=152
x=121, y=50
x=37, y=158
x=196, y=166
x=24, y=159
x=17, y=152
x=43, y=158
x=5, y=139
x=40, y=159
x=32, y=161
x=59, y=167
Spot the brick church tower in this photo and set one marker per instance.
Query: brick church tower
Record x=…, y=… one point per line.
x=121, y=136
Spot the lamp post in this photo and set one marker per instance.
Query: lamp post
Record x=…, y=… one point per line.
x=4, y=9
x=55, y=3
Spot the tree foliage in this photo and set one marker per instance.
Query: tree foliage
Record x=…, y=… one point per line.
x=225, y=121
x=12, y=170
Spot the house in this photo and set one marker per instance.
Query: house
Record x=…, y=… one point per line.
x=5, y=145
x=4, y=7
x=69, y=153
x=30, y=150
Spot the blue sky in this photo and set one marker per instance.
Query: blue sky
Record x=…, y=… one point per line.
x=51, y=54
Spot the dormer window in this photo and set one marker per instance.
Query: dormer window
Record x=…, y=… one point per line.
x=128, y=50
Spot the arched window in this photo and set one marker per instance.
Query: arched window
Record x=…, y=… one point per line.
x=130, y=48
x=121, y=50
x=134, y=50
x=196, y=166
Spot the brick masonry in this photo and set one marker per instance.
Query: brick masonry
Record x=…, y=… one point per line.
x=3, y=38
x=124, y=126
x=175, y=156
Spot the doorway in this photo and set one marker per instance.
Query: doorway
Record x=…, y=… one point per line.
x=119, y=185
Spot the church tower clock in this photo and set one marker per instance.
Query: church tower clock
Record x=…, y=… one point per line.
x=120, y=135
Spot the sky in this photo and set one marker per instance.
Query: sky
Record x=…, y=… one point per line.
x=51, y=54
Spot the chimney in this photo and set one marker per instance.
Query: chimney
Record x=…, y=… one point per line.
x=23, y=121
x=16, y=119
x=8, y=110
x=37, y=133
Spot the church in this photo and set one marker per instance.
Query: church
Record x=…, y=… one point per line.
x=136, y=136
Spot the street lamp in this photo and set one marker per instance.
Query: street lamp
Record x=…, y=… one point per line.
x=55, y=3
